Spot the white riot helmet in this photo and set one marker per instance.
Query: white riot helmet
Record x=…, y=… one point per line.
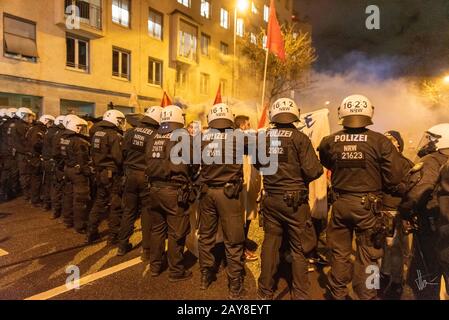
x=47, y=120
x=3, y=112
x=115, y=117
x=172, y=118
x=220, y=117
x=59, y=120
x=439, y=134
x=25, y=114
x=154, y=115
x=11, y=112
x=284, y=111
x=76, y=124
x=356, y=111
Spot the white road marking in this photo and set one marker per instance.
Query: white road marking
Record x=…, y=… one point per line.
x=85, y=280
x=3, y=253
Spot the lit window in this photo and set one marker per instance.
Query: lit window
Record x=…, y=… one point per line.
x=224, y=49
x=240, y=27
x=254, y=8
x=266, y=13
x=205, y=9
x=185, y=3
x=224, y=18
x=181, y=77
x=224, y=86
x=264, y=42
x=253, y=38
x=77, y=53
x=204, y=83
x=155, y=71
x=205, y=43
x=120, y=12
x=187, y=41
x=121, y=63
x=19, y=38
x=155, y=24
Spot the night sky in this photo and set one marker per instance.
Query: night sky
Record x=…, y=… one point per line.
x=413, y=32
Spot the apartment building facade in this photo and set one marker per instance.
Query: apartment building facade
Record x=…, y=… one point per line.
x=83, y=56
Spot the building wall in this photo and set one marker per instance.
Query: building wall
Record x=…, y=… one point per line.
x=50, y=79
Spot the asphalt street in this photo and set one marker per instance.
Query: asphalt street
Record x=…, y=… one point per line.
x=35, y=252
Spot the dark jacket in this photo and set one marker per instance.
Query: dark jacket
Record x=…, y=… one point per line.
x=297, y=162
x=392, y=199
x=18, y=130
x=106, y=147
x=75, y=150
x=47, y=143
x=361, y=161
x=35, y=138
x=160, y=166
x=135, y=144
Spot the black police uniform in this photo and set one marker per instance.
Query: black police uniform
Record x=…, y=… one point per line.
x=106, y=152
x=286, y=209
x=168, y=206
x=57, y=184
x=443, y=226
x=35, y=136
x=2, y=157
x=48, y=165
x=363, y=163
x=10, y=173
x=421, y=204
x=75, y=154
x=393, y=261
x=219, y=202
x=136, y=191
x=20, y=149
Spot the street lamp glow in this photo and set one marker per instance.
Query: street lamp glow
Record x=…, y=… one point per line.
x=242, y=5
x=446, y=79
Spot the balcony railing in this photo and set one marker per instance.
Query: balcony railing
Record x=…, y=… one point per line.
x=88, y=13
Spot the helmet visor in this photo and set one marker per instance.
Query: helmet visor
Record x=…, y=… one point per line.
x=427, y=144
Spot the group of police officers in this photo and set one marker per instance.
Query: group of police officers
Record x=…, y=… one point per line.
x=84, y=173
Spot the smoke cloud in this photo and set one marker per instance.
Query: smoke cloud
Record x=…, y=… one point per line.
x=399, y=104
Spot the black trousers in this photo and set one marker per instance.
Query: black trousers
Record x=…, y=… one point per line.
x=24, y=174
x=10, y=178
x=47, y=172
x=135, y=200
x=108, y=194
x=348, y=217
x=35, y=167
x=296, y=224
x=167, y=220
x=214, y=207
x=76, y=198
x=57, y=190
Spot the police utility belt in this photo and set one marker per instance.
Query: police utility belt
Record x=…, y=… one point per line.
x=186, y=192
x=293, y=199
x=231, y=189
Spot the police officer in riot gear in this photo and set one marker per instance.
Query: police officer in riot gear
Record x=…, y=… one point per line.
x=135, y=193
x=420, y=206
x=9, y=174
x=221, y=178
x=443, y=225
x=285, y=205
x=47, y=163
x=35, y=136
x=363, y=163
x=75, y=153
x=106, y=151
x=170, y=176
x=57, y=161
x=20, y=127
x=396, y=249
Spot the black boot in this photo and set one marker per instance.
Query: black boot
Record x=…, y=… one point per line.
x=235, y=286
x=186, y=275
x=124, y=249
x=206, y=279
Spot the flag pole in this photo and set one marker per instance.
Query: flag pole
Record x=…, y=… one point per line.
x=265, y=80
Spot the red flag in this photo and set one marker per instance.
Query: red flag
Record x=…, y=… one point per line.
x=263, y=117
x=166, y=101
x=218, y=96
x=275, y=42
